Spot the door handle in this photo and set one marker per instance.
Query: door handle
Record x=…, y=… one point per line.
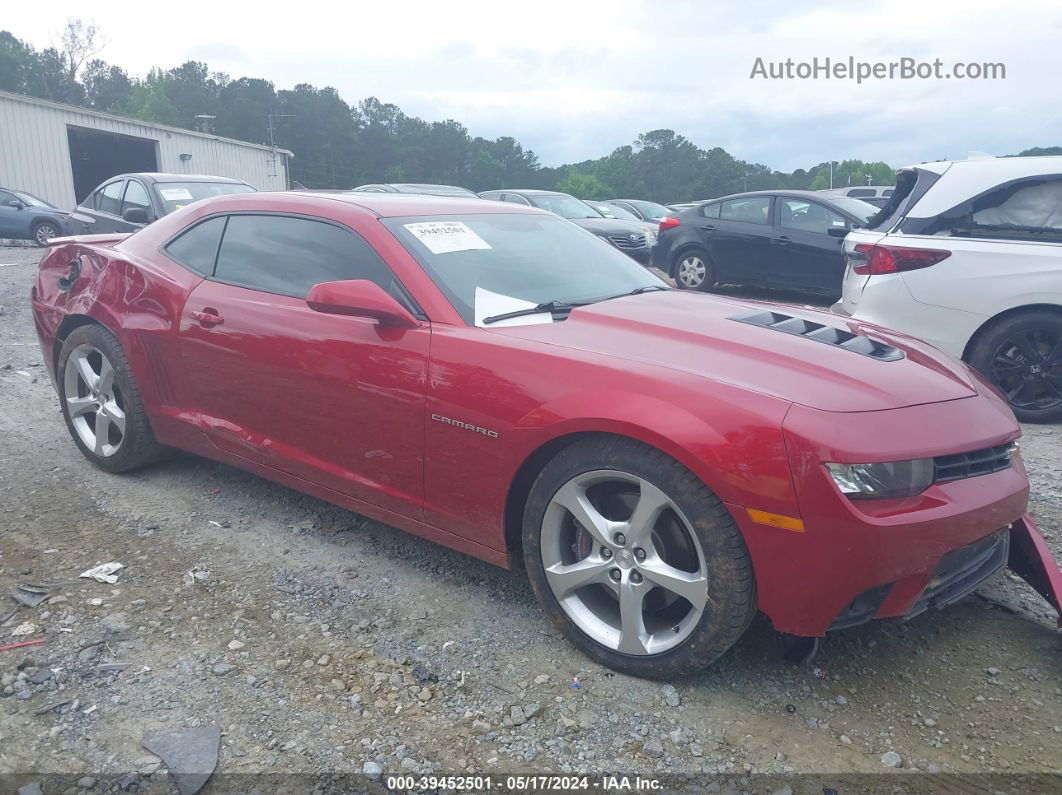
x=781, y=240
x=208, y=318
x=708, y=226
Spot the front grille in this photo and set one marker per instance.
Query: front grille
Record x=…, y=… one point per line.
x=972, y=464
x=628, y=241
x=819, y=332
x=962, y=570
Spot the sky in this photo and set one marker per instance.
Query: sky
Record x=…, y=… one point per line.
x=573, y=80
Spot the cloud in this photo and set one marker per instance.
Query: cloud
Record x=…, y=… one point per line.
x=573, y=81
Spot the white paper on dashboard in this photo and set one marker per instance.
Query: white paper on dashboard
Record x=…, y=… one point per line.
x=489, y=304
x=446, y=237
x=175, y=194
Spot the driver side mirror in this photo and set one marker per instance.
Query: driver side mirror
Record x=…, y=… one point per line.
x=837, y=231
x=360, y=298
x=16, y=204
x=135, y=215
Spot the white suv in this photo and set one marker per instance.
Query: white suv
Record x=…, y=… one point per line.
x=967, y=255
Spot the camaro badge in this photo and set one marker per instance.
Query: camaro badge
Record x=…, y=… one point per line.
x=467, y=426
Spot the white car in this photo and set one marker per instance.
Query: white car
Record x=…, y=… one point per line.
x=967, y=255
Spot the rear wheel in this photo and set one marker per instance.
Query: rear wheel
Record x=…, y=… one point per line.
x=635, y=560
x=101, y=404
x=693, y=271
x=1022, y=355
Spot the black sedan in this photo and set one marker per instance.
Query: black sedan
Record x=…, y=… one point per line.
x=633, y=238
x=127, y=202
x=788, y=239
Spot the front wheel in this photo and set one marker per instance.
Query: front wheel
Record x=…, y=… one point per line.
x=635, y=560
x=1022, y=356
x=693, y=271
x=44, y=232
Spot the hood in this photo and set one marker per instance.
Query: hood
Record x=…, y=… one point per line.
x=611, y=226
x=697, y=333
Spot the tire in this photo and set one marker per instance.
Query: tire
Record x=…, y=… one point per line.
x=1022, y=355
x=90, y=398
x=688, y=265
x=43, y=231
x=589, y=589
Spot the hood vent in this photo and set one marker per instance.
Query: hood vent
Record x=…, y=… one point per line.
x=799, y=327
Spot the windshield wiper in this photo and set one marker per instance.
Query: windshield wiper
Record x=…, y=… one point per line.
x=548, y=306
x=649, y=288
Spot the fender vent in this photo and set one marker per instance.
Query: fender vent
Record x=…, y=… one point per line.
x=818, y=332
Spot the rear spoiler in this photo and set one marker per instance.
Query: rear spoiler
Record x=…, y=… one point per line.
x=90, y=240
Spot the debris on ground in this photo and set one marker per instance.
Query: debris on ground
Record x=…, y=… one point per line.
x=104, y=573
x=190, y=756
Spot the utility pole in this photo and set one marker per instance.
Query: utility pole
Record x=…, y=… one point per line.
x=272, y=140
x=831, y=174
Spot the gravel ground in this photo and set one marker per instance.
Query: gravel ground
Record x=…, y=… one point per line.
x=322, y=643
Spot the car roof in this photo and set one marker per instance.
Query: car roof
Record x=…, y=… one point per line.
x=529, y=191
x=161, y=176
x=393, y=205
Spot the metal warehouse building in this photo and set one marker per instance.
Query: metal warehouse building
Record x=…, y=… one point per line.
x=62, y=152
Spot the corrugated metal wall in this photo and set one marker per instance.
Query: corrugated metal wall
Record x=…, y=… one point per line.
x=35, y=152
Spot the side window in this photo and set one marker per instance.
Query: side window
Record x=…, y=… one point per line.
x=109, y=199
x=887, y=192
x=136, y=196
x=710, y=210
x=512, y=198
x=493, y=196
x=197, y=248
x=809, y=216
x=859, y=193
x=6, y=198
x=753, y=210
x=284, y=255
x=1032, y=205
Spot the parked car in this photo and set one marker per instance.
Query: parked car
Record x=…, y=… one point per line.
x=633, y=238
x=967, y=255
x=492, y=378
x=789, y=239
x=425, y=189
x=24, y=216
x=680, y=206
x=129, y=202
x=878, y=195
x=646, y=211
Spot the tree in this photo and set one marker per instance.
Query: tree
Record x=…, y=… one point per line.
x=107, y=88
x=584, y=186
x=150, y=102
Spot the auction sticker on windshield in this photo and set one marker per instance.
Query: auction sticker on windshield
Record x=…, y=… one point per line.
x=446, y=237
x=175, y=194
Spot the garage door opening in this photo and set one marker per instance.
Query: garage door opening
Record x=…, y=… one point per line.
x=96, y=156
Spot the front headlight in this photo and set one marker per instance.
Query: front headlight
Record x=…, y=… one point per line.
x=650, y=237
x=892, y=479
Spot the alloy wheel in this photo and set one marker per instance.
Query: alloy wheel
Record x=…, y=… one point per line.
x=1028, y=369
x=44, y=233
x=692, y=271
x=94, y=400
x=623, y=562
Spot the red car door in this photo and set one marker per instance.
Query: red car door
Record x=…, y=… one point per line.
x=334, y=399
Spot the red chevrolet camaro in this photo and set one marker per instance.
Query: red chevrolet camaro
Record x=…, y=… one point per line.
x=498, y=380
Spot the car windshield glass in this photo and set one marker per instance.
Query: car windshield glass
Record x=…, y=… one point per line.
x=564, y=206
x=32, y=200
x=506, y=259
x=612, y=211
x=175, y=195
x=860, y=209
x=651, y=210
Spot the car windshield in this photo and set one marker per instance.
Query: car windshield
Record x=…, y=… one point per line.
x=32, y=200
x=860, y=209
x=504, y=259
x=651, y=210
x=562, y=205
x=612, y=211
x=175, y=195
